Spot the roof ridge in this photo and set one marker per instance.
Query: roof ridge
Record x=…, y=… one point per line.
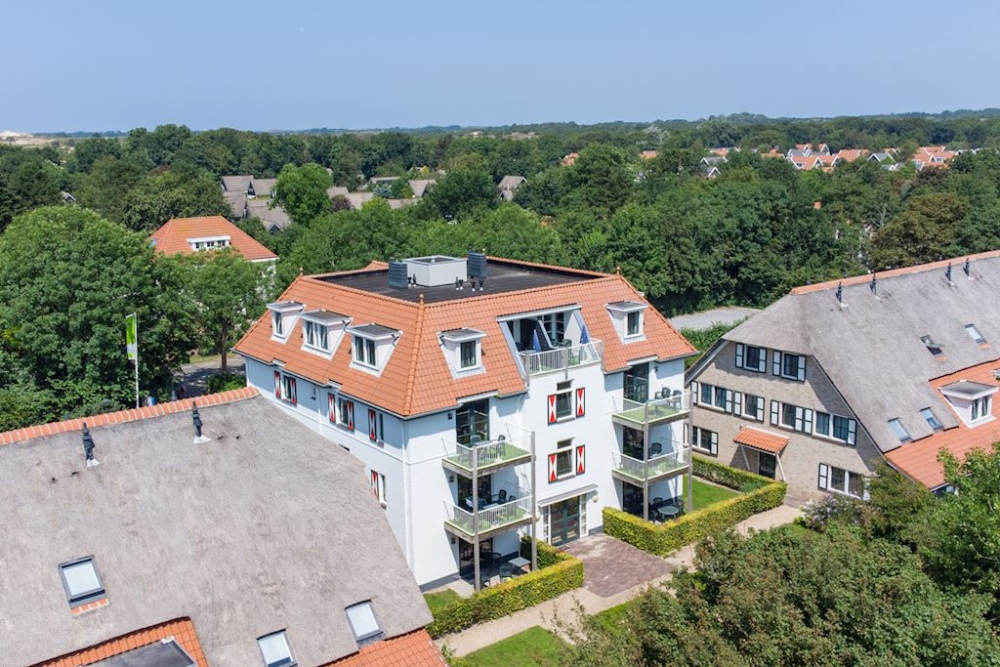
x=891, y=273
x=125, y=416
x=408, y=399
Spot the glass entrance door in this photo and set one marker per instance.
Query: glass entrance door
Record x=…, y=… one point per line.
x=564, y=521
x=766, y=464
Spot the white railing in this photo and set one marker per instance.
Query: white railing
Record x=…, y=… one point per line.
x=489, y=517
x=514, y=444
x=660, y=464
x=560, y=358
x=655, y=408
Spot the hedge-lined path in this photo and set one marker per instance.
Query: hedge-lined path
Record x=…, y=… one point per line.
x=610, y=566
x=565, y=606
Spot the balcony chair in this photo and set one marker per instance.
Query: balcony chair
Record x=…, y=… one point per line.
x=655, y=449
x=502, y=496
x=657, y=501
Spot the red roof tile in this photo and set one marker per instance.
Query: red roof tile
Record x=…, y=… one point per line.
x=182, y=630
x=172, y=237
x=768, y=442
x=417, y=379
x=415, y=649
x=918, y=460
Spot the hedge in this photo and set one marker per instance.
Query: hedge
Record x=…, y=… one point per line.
x=724, y=475
x=557, y=573
x=664, y=538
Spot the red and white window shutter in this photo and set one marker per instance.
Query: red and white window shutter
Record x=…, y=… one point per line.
x=581, y=459
x=552, y=409
x=553, y=468
x=581, y=409
x=291, y=391
x=277, y=384
x=371, y=425
x=350, y=414
x=331, y=400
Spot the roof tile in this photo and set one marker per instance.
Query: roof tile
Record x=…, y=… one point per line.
x=172, y=237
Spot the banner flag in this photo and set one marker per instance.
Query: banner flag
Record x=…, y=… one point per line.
x=132, y=337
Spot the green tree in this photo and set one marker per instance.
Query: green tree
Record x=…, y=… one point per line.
x=68, y=278
x=301, y=191
x=157, y=199
x=464, y=189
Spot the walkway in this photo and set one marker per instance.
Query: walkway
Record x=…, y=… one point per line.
x=600, y=591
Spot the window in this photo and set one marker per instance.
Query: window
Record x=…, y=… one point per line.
x=276, y=324
x=843, y=481
x=376, y=426
x=81, y=581
x=633, y=326
x=974, y=334
x=931, y=346
x=564, y=458
x=899, y=430
x=378, y=486
x=751, y=358
x=980, y=408
x=554, y=325
x=791, y=416
x=790, y=366
x=835, y=427
x=705, y=440
x=753, y=407
x=345, y=413
x=363, y=621
x=364, y=351
x=932, y=419
x=564, y=400
x=469, y=354
x=288, y=389
x=317, y=336
x=275, y=650
x=720, y=398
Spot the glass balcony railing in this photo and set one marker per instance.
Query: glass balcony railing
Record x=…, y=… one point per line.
x=487, y=455
x=659, y=466
x=561, y=358
x=664, y=409
x=489, y=519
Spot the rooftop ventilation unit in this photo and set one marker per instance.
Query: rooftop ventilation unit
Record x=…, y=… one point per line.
x=477, y=265
x=397, y=275
x=436, y=270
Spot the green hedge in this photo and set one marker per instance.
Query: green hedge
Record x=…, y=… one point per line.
x=724, y=475
x=664, y=538
x=562, y=574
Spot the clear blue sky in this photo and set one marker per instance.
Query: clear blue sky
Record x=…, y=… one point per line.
x=115, y=65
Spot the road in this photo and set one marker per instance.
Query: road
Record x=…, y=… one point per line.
x=194, y=377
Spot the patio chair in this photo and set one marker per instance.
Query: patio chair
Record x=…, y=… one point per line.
x=657, y=501
x=502, y=496
x=655, y=448
x=506, y=572
x=511, y=498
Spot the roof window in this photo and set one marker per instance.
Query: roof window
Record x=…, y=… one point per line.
x=363, y=621
x=932, y=419
x=974, y=334
x=899, y=430
x=275, y=650
x=932, y=347
x=81, y=581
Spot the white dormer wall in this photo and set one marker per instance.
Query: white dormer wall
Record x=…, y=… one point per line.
x=209, y=242
x=335, y=331
x=619, y=317
x=962, y=406
x=284, y=315
x=451, y=347
x=385, y=344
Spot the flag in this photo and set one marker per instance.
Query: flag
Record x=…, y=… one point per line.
x=536, y=344
x=584, y=336
x=132, y=336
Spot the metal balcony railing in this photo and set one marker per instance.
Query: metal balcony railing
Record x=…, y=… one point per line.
x=662, y=465
x=666, y=408
x=562, y=358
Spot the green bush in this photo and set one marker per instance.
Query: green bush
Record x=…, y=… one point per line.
x=548, y=581
x=664, y=538
x=547, y=554
x=734, y=478
x=217, y=383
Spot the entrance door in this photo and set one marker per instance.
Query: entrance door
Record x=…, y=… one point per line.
x=766, y=464
x=564, y=521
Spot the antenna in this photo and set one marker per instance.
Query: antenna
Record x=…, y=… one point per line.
x=196, y=419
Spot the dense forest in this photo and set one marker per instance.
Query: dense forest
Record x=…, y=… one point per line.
x=688, y=242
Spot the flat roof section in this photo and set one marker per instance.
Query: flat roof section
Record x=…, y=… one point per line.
x=502, y=277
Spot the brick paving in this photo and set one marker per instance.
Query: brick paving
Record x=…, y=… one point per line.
x=610, y=566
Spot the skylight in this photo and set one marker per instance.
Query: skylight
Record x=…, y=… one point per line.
x=363, y=621
x=899, y=430
x=275, y=650
x=81, y=581
x=932, y=347
x=974, y=334
x=932, y=419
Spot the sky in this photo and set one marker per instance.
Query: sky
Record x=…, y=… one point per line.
x=113, y=65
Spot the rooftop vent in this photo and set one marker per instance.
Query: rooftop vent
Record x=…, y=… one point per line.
x=397, y=275
x=196, y=420
x=436, y=270
x=477, y=265
x=88, y=447
x=932, y=347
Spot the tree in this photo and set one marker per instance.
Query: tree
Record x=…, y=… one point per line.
x=602, y=177
x=464, y=189
x=68, y=278
x=157, y=199
x=228, y=293
x=301, y=191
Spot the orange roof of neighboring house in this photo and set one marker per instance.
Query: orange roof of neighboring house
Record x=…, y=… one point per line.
x=768, y=442
x=721, y=152
x=174, y=236
x=866, y=278
x=851, y=154
x=415, y=649
x=918, y=460
x=416, y=378
x=807, y=162
x=181, y=630
x=570, y=159
x=647, y=155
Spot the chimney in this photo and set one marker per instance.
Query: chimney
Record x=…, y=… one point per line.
x=196, y=419
x=88, y=447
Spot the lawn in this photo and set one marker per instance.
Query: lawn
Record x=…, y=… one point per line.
x=706, y=494
x=535, y=647
x=441, y=600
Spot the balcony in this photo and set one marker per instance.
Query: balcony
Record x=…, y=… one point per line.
x=654, y=411
x=491, y=519
x=562, y=358
x=487, y=456
x=637, y=471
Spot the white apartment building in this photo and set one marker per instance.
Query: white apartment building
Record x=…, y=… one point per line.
x=486, y=398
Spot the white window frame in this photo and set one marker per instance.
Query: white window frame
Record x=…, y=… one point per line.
x=316, y=336
x=801, y=418
x=743, y=354
x=564, y=449
x=825, y=481
x=363, y=612
x=364, y=351
x=276, y=644
x=697, y=433
x=565, y=389
x=637, y=315
x=778, y=366
x=476, y=356
x=851, y=426
x=758, y=414
x=980, y=409
x=378, y=487
x=731, y=400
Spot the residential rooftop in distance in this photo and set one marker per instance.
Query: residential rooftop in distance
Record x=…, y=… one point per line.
x=503, y=276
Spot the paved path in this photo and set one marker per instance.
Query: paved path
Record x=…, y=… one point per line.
x=709, y=318
x=610, y=566
x=566, y=606
x=194, y=377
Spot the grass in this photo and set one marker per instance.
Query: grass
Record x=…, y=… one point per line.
x=441, y=600
x=705, y=494
x=535, y=647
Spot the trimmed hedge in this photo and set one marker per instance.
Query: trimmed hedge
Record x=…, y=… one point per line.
x=557, y=573
x=724, y=475
x=664, y=538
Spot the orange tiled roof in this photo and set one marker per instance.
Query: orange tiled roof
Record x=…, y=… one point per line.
x=172, y=237
x=918, y=459
x=647, y=155
x=417, y=379
x=851, y=154
x=415, y=649
x=123, y=416
x=768, y=442
x=182, y=630
x=866, y=278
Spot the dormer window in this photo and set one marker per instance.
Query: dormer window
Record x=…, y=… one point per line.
x=463, y=348
x=321, y=330
x=316, y=336
x=209, y=242
x=628, y=319
x=972, y=401
x=283, y=316
x=81, y=581
x=371, y=345
x=364, y=351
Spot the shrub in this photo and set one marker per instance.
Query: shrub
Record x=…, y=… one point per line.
x=217, y=383
x=563, y=574
x=816, y=514
x=727, y=476
x=664, y=538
